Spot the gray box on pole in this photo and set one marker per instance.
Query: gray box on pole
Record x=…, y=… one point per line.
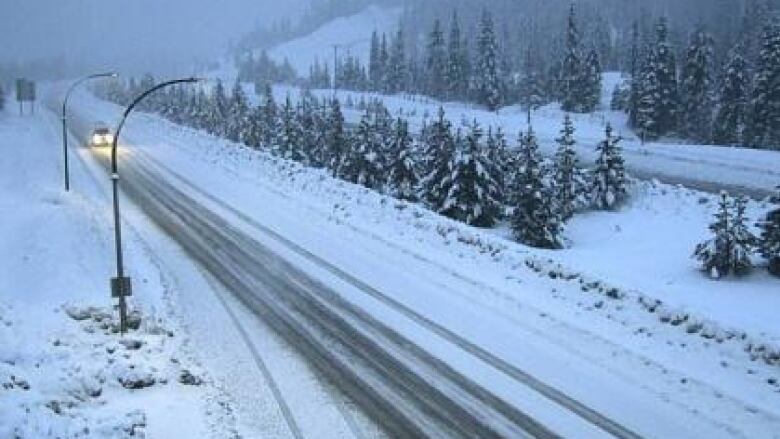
x=121, y=287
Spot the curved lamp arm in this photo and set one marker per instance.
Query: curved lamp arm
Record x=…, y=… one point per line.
x=130, y=108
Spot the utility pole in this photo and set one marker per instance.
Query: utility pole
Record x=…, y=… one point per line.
x=121, y=286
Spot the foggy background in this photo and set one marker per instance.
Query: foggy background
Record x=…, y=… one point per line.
x=131, y=36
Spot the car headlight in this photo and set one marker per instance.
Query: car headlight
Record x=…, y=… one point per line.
x=108, y=138
x=96, y=138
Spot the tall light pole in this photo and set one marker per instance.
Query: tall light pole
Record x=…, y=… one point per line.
x=65, y=119
x=120, y=285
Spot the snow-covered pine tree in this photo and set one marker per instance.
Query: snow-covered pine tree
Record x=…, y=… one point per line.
x=470, y=187
x=436, y=63
x=270, y=118
x=658, y=98
x=403, y=179
x=697, y=88
x=487, y=77
x=237, y=114
x=565, y=184
x=397, y=72
x=666, y=72
x=361, y=162
x=384, y=65
x=633, y=103
x=745, y=242
x=728, y=251
x=754, y=18
x=457, y=61
x=532, y=91
x=591, y=82
x=335, y=139
x=374, y=68
x=255, y=130
x=290, y=138
x=306, y=117
x=535, y=221
x=609, y=178
x=730, y=118
x=217, y=110
x=763, y=130
x=572, y=67
x=497, y=157
x=769, y=243
x=438, y=150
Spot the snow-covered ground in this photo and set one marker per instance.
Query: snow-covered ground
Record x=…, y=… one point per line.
x=351, y=34
x=64, y=372
x=620, y=301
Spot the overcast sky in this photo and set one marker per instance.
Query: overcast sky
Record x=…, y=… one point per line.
x=130, y=34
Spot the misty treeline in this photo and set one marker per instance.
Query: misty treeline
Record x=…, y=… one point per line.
x=468, y=173
x=704, y=70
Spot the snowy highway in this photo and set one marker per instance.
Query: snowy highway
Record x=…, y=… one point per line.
x=412, y=372
x=404, y=388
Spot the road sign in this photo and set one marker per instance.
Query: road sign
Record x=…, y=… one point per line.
x=121, y=287
x=25, y=90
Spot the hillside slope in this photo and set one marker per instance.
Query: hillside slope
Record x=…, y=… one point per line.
x=351, y=34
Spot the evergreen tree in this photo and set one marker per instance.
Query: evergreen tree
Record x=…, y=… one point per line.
x=732, y=103
x=565, y=183
x=438, y=150
x=696, y=86
x=290, y=137
x=763, y=128
x=591, y=82
x=310, y=142
x=658, y=95
x=269, y=127
x=534, y=221
x=361, y=162
x=397, y=73
x=217, y=110
x=532, y=90
x=755, y=16
x=572, y=68
x=769, y=244
x=374, y=67
x=255, y=128
x=469, y=186
x=609, y=179
x=729, y=249
x=237, y=114
x=403, y=179
x=633, y=105
x=488, y=76
x=383, y=65
x=436, y=63
x=335, y=139
x=457, y=62
x=498, y=159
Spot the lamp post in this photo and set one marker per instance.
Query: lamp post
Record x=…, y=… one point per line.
x=65, y=119
x=120, y=285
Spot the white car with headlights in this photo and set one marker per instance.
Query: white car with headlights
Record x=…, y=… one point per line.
x=101, y=136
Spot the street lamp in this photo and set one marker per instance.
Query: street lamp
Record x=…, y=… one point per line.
x=65, y=118
x=120, y=285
